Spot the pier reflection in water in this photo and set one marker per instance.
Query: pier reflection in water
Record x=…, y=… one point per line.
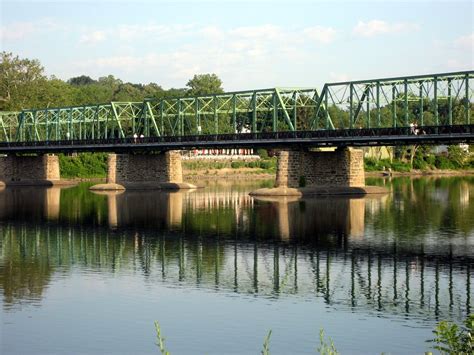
x=360, y=254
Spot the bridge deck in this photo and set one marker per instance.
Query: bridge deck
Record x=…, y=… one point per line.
x=451, y=134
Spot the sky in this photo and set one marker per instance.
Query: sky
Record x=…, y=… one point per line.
x=248, y=44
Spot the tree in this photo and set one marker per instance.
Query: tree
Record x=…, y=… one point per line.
x=81, y=80
x=110, y=81
x=20, y=81
x=203, y=84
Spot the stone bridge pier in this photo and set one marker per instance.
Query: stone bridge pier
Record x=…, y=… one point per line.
x=304, y=172
x=29, y=170
x=144, y=171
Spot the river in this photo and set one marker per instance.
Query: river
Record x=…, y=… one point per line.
x=87, y=273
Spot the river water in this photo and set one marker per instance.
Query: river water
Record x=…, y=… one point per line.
x=86, y=273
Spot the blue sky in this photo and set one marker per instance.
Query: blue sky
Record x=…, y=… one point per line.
x=249, y=44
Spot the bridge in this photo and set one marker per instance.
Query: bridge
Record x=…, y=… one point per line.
x=345, y=114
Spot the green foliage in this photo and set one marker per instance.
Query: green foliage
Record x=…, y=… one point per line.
x=372, y=164
x=84, y=165
x=457, y=156
x=81, y=80
x=203, y=84
x=263, y=153
x=325, y=348
x=266, y=344
x=160, y=341
x=452, y=339
x=430, y=159
x=237, y=164
x=442, y=162
x=420, y=164
x=400, y=166
x=21, y=82
x=423, y=159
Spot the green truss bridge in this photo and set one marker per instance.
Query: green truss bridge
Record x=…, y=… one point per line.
x=356, y=113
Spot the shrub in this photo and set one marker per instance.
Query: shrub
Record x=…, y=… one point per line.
x=443, y=162
x=371, y=164
x=452, y=339
x=237, y=164
x=83, y=165
x=266, y=164
x=263, y=153
x=419, y=163
x=457, y=156
x=430, y=159
x=400, y=166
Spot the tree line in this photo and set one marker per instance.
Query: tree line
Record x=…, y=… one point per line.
x=24, y=85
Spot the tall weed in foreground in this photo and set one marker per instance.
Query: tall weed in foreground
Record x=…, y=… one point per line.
x=266, y=344
x=324, y=348
x=160, y=341
x=449, y=339
x=452, y=339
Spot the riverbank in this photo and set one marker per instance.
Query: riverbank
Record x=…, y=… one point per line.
x=261, y=174
x=228, y=174
x=415, y=172
x=248, y=174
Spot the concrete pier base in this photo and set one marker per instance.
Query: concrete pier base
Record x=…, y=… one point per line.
x=144, y=172
x=305, y=173
x=40, y=170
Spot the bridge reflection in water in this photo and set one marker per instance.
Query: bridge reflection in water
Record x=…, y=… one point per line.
x=327, y=249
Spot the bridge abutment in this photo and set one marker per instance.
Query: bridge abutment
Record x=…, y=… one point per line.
x=29, y=170
x=147, y=171
x=303, y=172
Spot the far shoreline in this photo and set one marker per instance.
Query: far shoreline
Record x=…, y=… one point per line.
x=248, y=174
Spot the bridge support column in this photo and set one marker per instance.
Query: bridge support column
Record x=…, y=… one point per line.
x=302, y=172
x=151, y=171
x=340, y=168
x=29, y=170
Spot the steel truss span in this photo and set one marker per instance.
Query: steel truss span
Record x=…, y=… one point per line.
x=442, y=100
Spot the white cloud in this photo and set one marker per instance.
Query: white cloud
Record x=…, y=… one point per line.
x=21, y=30
x=269, y=32
x=212, y=32
x=465, y=42
x=320, y=34
x=93, y=37
x=377, y=27
x=240, y=53
x=129, y=33
x=16, y=31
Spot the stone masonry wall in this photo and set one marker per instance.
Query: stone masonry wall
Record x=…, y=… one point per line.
x=29, y=168
x=343, y=167
x=153, y=168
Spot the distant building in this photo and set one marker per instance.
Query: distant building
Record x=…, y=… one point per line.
x=443, y=148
